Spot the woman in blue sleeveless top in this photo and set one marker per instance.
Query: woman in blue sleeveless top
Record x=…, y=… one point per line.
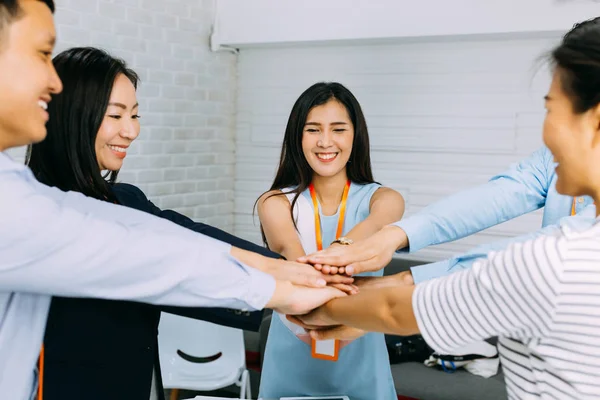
x=325, y=161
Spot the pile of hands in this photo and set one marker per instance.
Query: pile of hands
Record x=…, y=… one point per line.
x=318, y=278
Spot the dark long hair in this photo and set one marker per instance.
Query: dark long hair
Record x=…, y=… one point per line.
x=577, y=59
x=294, y=170
x=67, y=157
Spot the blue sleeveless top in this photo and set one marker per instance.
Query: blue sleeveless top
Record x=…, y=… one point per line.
x=362, y=371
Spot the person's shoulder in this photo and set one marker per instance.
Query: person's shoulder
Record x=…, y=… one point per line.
x=272, y=198
x=126, y=191
x=127, y=188
x=362, y=189
x=587, y=238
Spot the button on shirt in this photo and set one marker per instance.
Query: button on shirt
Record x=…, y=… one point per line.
x=57, y=243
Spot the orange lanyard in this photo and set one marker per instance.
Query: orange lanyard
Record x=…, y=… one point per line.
x=41, y=375
x=573, y=212
x=340, y=226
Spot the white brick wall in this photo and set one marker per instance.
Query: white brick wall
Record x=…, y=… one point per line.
x=183, y=158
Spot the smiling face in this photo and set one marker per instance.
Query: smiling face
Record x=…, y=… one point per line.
x=574, y=140
x=327, y=138
x=28, y=77
x=120, y=126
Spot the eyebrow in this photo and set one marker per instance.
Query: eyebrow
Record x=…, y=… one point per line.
x=121, y=105
x=319, y=124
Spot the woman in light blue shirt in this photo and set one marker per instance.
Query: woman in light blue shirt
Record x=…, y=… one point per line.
x=324, y=193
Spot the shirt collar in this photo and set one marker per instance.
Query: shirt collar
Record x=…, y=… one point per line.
x=8, y=164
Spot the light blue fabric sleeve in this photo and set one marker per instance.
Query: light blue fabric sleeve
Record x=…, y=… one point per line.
x=421, y=273
x=521, y=189
x=67, y=244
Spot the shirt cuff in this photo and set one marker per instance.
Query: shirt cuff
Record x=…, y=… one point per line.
x=261, y=287
x=426, y=321
x=418, y=233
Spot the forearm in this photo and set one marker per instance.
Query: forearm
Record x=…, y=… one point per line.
x=517, y=191
x=66, y=244
x=363, y=230
x=290, y=251
x=387, y=310
x=251, y=259
x=226, y=237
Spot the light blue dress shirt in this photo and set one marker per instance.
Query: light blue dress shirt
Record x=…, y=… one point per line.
x=57, y=243
x=525, y=187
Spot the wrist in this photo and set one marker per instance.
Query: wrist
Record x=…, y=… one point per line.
x=269, y=265
x=395, y=237
x=328, y=311
x=282, y=288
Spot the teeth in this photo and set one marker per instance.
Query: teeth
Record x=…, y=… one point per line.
x=43, y=104
x=326, y=156
x=119, y=149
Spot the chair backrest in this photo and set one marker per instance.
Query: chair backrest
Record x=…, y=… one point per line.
x=197, y=354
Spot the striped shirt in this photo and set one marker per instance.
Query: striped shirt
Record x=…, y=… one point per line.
x=542, y=298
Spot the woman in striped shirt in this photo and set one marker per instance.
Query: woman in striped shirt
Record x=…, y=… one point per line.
x=541, y=297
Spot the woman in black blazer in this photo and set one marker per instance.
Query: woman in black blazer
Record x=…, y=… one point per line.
x=100, y=349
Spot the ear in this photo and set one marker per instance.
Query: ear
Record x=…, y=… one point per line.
x=594, y=124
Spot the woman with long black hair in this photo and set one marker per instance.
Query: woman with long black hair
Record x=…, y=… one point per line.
x=324, y=194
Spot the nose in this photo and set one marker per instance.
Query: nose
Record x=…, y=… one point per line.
x=54, y=83
x=130, y=129
x=325, y=139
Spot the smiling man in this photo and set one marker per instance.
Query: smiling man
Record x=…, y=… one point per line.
x=57, y=243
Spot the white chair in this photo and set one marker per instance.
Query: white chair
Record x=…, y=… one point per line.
x=198, y=355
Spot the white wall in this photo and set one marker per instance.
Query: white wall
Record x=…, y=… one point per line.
x=183, y=158
x=442, y=115
x=242, y=23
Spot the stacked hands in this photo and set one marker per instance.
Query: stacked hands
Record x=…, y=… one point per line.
x=321, y=277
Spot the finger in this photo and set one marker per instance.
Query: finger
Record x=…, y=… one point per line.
x=340, y=256
x=342, y=270
x=309, y=280
x=304, y=259
x=300, y=323
x=318, y=267
x=338, y=279
x=362, y=266
x=334, y=270
x=350, y=289
x=326, y=269
x=335, y=332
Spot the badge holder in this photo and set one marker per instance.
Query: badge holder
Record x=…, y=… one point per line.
x=327, y=349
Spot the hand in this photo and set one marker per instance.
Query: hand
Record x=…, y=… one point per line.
x=348, y=289
x=316, y=319
x=373, y=282
x=305, y=275
x=294, y=300
x=330, y=269
x=370, y=254
x=342, y=332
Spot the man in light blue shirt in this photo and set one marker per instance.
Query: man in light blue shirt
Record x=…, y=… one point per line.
x=57, y=243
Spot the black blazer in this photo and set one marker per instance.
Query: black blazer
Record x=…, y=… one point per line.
x=102, y=349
